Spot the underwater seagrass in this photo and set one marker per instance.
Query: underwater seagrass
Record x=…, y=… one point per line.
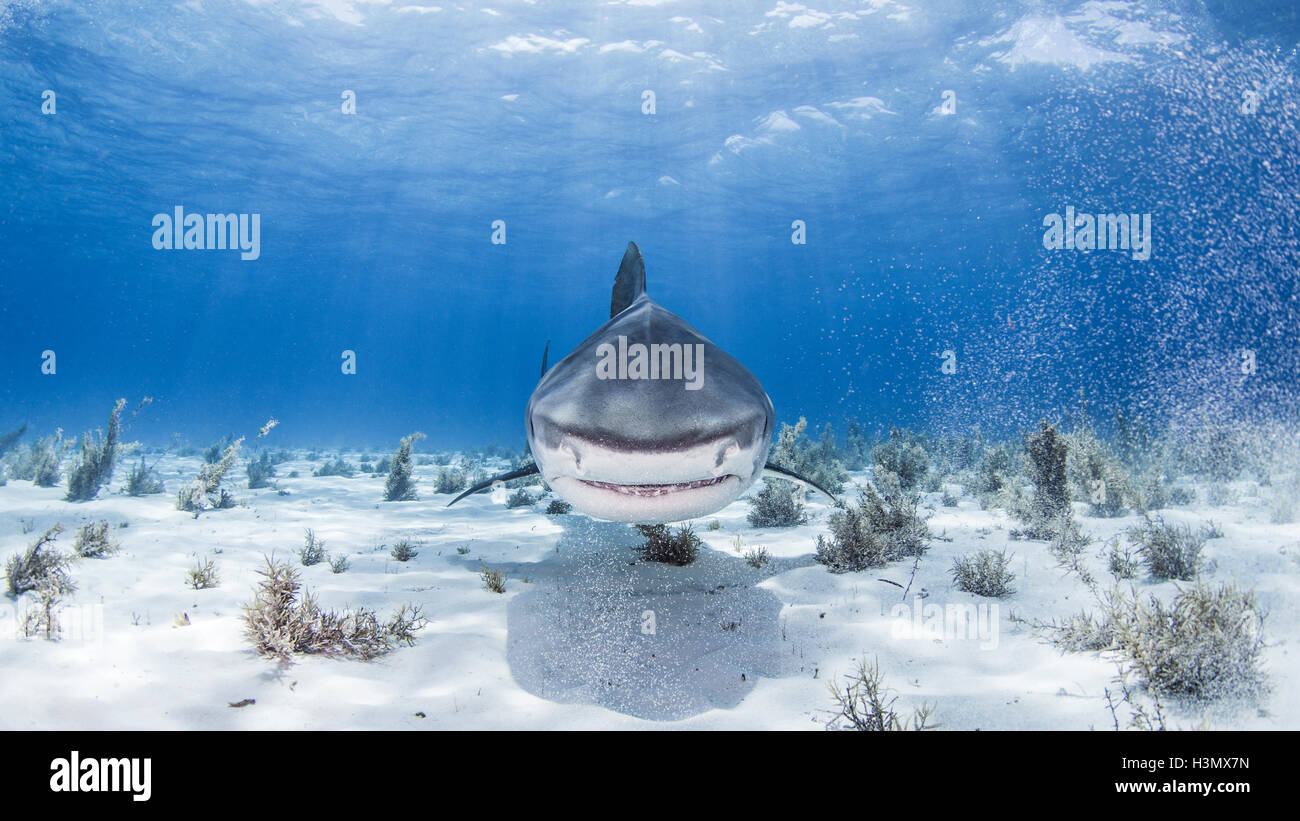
x=653, y=440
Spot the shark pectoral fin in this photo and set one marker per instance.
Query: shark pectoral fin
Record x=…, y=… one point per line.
x=789, y=475
x=518, y=473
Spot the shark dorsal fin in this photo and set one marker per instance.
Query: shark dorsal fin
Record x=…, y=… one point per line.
x=545, y=351
x=630, y=282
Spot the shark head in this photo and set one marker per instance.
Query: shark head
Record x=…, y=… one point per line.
x=648, y=421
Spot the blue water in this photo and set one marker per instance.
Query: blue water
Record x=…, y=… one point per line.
x=924, y=229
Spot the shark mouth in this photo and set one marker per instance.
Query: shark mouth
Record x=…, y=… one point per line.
x=649, y=503
x=650, y=491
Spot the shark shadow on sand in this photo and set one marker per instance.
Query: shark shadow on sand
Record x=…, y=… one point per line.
x=597, y=626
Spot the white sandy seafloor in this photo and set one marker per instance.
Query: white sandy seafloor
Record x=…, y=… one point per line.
x=567, y=646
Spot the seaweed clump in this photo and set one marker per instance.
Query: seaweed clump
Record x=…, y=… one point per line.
x=882, y=527
x=338, y=467
x=313, y=549
x=40, y=462
x=212, y=454
x=399, y=487
x=206, y=492
x=44, y=571
x=1206, y=644
x=203, y=575
x=93, y=541
x=1046, y=452
x=777, y=505
x=260, y=471
x=404, y=550
x=904, y=456
x=664, y=545
x=143, y=480
x=94, y=468
x=521, y=498
x=815, y=460
x=856, y=450
x=39, y=567
x=864, y=703
x=450, y=480
x=1098, y=475
x=986, y=574
x=494, y=581
x=1168, y=551
x=280, y=623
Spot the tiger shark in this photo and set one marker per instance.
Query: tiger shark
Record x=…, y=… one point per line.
x=647, y=421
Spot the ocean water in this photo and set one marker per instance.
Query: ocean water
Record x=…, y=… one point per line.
x=854, y=199
x=955, y=217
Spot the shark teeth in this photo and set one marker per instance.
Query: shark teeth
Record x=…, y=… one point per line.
x=648, y=491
